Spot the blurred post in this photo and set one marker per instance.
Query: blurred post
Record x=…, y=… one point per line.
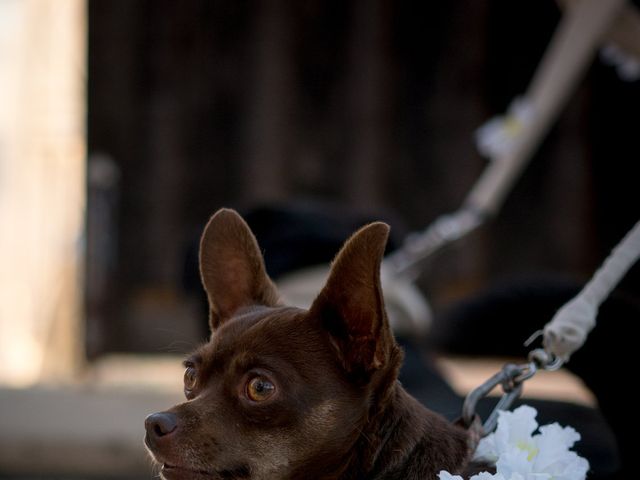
x=42, y=188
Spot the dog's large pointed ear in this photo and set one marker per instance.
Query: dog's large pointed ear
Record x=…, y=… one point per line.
x=351, y=306
x=232, y=268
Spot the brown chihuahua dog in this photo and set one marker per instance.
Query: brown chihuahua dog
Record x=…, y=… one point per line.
x=281, y=393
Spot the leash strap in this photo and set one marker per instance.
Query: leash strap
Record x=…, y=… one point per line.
x=568, y=329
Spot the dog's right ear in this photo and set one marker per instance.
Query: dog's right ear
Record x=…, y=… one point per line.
x=351, y=306
x=232, y=268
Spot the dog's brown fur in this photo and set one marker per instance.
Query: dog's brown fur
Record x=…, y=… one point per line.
x=337, y=412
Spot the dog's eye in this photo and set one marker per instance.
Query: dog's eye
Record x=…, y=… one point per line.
x=190, y=380
x=260, y=389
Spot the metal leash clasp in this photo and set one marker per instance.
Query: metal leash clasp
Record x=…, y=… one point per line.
x=543, y=358
x=510, y=378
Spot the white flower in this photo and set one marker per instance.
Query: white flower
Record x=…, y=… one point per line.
x=519, y=454
x=499, y=135
x=515, y=429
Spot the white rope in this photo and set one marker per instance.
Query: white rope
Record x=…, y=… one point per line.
x=514, y=137
x=573, y=46
x=568, y=329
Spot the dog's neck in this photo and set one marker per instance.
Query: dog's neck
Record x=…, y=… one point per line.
x=404, y=441
x=410, y=442
x=399, y=439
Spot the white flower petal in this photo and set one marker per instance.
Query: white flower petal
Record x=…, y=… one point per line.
x=567, y=436
x=522, y=422
x=553, y=445
x=514, y=460
x=444, y=475
x=487, y=449
x=487, y=476
x=573, y=468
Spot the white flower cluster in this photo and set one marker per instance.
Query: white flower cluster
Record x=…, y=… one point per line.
x=626, y=64
x=518, y=454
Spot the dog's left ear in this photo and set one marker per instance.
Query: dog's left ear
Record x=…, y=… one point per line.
x=351, y=306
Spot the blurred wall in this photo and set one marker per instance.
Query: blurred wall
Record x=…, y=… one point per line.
x=368, y=104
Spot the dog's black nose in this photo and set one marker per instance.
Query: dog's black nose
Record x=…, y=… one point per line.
x=161, y=424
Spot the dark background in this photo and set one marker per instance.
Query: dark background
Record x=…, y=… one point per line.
x=368, y=106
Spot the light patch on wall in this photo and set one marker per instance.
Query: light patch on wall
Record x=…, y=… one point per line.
x=42, y=176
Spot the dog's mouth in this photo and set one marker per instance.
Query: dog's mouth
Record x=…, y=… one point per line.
x=173, y=472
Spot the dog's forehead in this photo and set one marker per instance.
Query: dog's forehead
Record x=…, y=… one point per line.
x=257, y=329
